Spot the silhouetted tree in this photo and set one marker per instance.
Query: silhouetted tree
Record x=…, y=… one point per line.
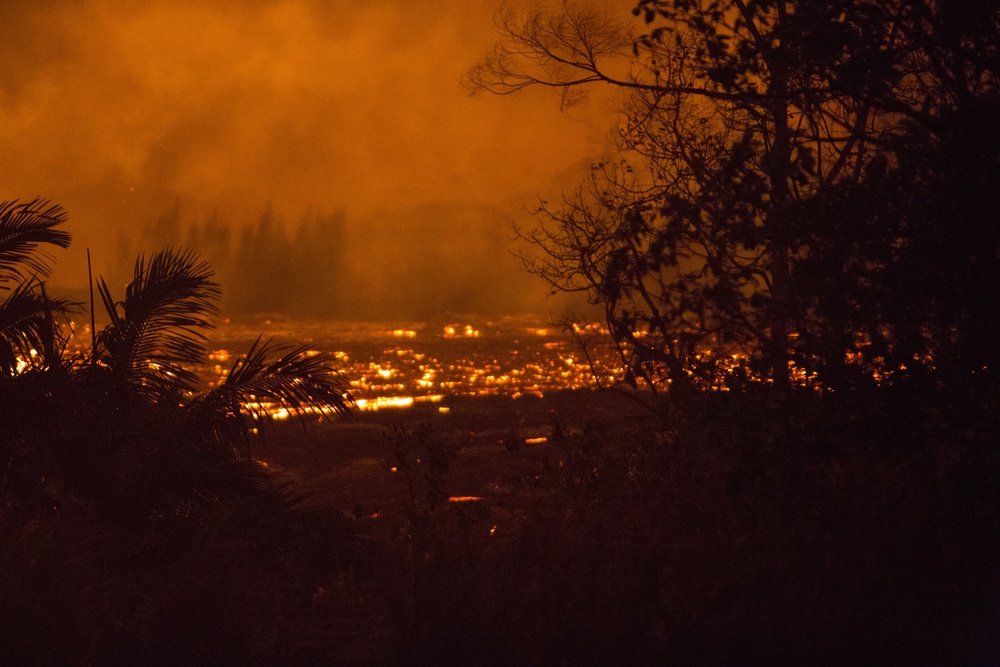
x=213, y=239
x=945, y=287
x=123, y=426
x=264, y=267
x=317, y=266
x=758, y=202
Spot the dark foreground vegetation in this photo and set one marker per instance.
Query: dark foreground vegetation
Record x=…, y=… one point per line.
x=762, y=526
x=137, y=527
x=807, y=189
x=731, y=530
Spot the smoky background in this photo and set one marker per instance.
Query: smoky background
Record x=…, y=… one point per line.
x=324, y=156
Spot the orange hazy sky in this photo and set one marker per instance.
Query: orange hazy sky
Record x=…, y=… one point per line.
x=122, y=110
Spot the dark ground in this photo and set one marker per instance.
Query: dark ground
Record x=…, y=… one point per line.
x=732, y=531
x=349, y=464
x=735, y=529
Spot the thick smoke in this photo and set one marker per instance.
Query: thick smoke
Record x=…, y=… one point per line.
x=408, y=263
x=342, y=119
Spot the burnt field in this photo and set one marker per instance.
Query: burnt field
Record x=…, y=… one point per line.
x=483, y=450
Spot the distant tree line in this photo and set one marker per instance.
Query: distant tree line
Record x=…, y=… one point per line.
x=266, y=267
x=811, y=186
x=408, y=263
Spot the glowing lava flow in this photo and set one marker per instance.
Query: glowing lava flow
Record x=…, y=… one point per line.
x=399, y=367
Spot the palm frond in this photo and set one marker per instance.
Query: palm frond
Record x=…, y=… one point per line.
x=28, y=329
x=298, y=381
x=51, y=337
x=23, y=228
x=159, y=330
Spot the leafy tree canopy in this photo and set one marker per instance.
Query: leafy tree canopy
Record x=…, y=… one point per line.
x=802, y=191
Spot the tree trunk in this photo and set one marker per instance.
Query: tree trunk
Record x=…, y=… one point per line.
x=778, y=168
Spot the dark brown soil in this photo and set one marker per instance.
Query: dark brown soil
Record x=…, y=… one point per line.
x=359, y=464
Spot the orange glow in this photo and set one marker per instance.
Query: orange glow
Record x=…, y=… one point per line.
x=510, y=360
x=167, y=111
x=381, y=402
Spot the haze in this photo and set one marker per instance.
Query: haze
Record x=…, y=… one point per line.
x=150, y=120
